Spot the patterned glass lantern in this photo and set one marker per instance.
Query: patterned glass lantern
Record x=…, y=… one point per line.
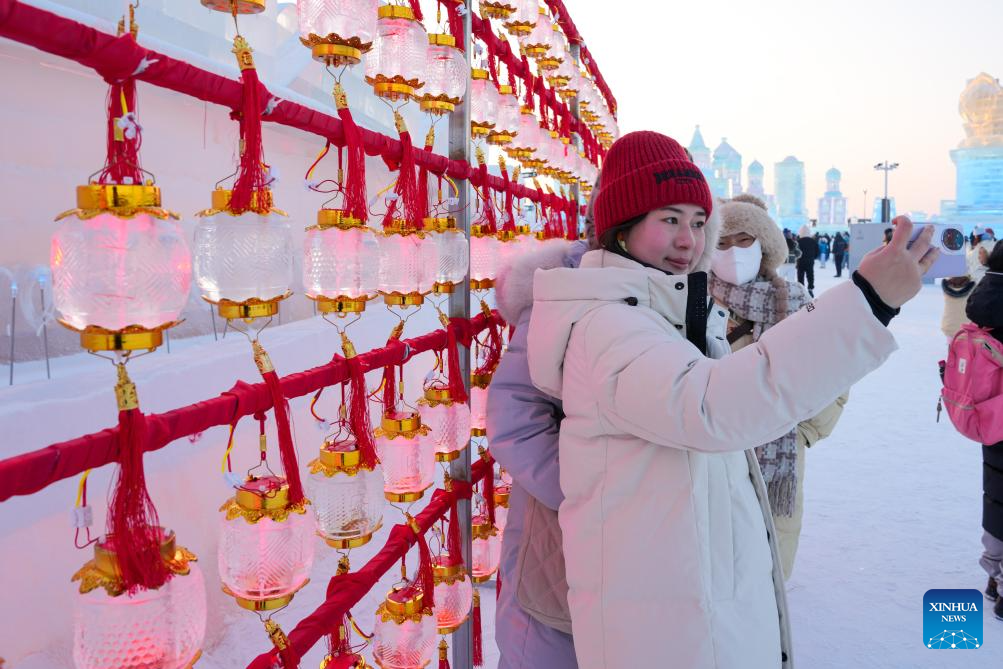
x=502, y=492
x=405, y=270
x=347, y=496
x=161, y=628
x=341, y=262
x=407, y=452
x=485, y=549
x=484, y=102
x=524, y=145
x=483, y=258
x=397, y=66
x=446, y=77
x=266, y=544
x=405, y=631
x=513, y=245
x=479, y=404
x=447, y=252
x=449, y=421
x=507, y=124
x=454, y=593
x=496, y=9
x=121, y=268
x=521, y=21
x=243, y=264
x=337, y=31
x=539, y=43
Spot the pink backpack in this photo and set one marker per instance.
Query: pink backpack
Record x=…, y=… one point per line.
x=973, y=384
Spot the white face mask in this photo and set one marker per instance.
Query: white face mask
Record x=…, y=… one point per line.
x=737, y=265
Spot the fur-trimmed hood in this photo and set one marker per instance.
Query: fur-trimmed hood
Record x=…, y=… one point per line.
x=514, y=284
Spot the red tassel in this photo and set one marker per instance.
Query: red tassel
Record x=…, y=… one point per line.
x=424, y=579
x=287, y=449
x=422, y=185
x=453, y=544
x=122, y=151
x=407, y=185
x=355, y=179
x=497, y=584
x=509, y=224
x=489, y=494
x=457, y=390
x=251, y=178
x=494, y=347
x=478, y=636
x=358, y=414
x=389, y=388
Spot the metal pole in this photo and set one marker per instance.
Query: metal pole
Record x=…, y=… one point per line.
x=13, y=316
x=576, y=140
x=212, y=315
x=45, y=335
x=459, y=307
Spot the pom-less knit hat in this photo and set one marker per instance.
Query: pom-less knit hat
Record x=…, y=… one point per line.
x=644, y=171
x=748, y=214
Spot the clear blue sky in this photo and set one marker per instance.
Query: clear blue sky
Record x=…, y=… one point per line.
x=846, y=83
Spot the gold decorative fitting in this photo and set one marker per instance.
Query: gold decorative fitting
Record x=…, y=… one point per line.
x=519, y=27
x=248, y=309
x=398, y=607
x=340, y=96
x=123, y=200
x=263, y=498
x=499, y=138
x=403, y=299
x=505, y=89
x=401, y=424
x=399, y=122
x=482, y=284
x=478, y=432
x=482, y=529
x=536, y=50
x=398, y=226
x=354, y=542
x=448, y=573
x=483, y=578
x=275, y=633
x=395, y=12
x=333, y=462
x=549, y=63
x=125, y=390
x=243, y=51
x=130, y=338
x=394, y=88
x=480, y=129
x=442, y=39
x=443, y=288
x=335, y=50
x=263, y=603
x=358, y=662
x=261, y=203
x=340, y=305
x=337, y=218
x=523, y=229
x=241, y=6
x=496, y=10
x=436, y=395
x=405, y=497
x=438, y=105
x=502, y=496
x=103, y=571
x=448, y=456
x=261, y=358
x=506, y=235
x=478, y=73
x=540, y=235
x=439, y=224
x=481, y=160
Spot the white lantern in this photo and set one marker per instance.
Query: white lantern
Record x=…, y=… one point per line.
x=446, y=80
x=337, y=31
x=347, y=496
x=405, y=273
x=161, y=628
x=404, y=637
x=243, y=264
x=448, y=421
x=483, y=257
x=484, y=102
x=540, y=40
x=454, y=593
x=121, y=268
x=341, y=262
x=525, y=144
x=479, y=404
x=397, y=65
x=521, y=21
x=266, y=544
x=507, y=123
x=407, y=453
x=485, y=548
x=447, y=253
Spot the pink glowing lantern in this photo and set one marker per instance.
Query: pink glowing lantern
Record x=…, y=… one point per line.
x=523, y=18
x=525, y=144
x=407, y=453
x=479, y=404
x=484, y=102
x=447, y=253
x=540, y=41
x=483, y=257
x=406, y=269
x=485, y=549
x=448, y=421
x=446, y=77
x=121, y=268
x=341, y=263
x=507, y=123
x=397, y=66
x=161, y=628
x=338, y=32
x=404, y=637
x=454, y=593
x=347, y=496
x=266, y=544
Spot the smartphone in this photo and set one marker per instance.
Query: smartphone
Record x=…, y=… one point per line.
x=950, y=239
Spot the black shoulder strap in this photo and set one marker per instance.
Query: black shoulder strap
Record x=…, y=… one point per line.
x=740, y=331
x=696, y=310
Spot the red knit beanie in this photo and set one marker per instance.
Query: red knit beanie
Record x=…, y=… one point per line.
x=644, y=171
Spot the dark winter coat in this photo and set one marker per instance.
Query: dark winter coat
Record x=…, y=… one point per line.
x=985, y=309
x=839, y=245
x=809, y=252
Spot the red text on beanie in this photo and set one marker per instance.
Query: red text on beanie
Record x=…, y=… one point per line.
x=644, y=171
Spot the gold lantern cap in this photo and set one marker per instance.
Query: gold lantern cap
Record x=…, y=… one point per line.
x=242, y=6
x=336, y=218
x=395, y=12
x=341, y=455
x=439, y=223
x=268, y=493
x=103, y=571
x=396, y=423
x=405, y=602
x=478, y=73
x=438, y=394
x=441, y=39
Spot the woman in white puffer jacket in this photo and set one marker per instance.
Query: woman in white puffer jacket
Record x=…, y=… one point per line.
x=665, y=522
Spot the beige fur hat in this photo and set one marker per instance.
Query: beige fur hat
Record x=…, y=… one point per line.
x=748, y=214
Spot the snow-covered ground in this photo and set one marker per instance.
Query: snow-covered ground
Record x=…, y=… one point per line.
x=893, y=504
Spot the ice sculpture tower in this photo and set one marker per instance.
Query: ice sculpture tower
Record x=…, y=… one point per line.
x=832, y=205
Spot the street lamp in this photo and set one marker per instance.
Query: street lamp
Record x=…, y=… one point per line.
x=886, y=167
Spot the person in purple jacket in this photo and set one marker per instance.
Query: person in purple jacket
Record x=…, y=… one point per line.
x=532, y=622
